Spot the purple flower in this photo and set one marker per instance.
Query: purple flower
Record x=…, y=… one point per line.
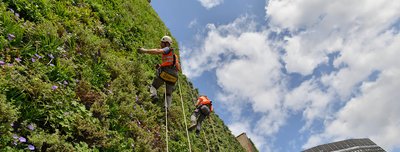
x=9, y=64
x=18, y=59
x=17, y=15
x=12, y=11
x=65, y=82
x=15, y=143
x=31, y=127
x=15, y=136
x=38, y=56
x=54, y=87
x=2, y=63
x=22, y=139
x=33, y=59
x=51, y=56
x=137, y=98
x=11, y=37
x=31, y=147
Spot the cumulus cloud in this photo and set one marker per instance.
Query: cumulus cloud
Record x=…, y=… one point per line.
x=373, y=114
x=364, y=35
x=210, y=3
x=249, y=67
x=309, y=98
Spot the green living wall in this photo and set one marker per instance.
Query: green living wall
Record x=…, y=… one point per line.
x=71, y=80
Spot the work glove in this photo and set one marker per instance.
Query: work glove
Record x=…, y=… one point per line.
x=141, y=50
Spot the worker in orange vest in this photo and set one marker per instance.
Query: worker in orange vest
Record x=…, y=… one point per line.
x=167, y=71
x=203, y=109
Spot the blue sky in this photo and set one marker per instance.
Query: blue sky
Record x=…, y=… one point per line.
x=294, y=74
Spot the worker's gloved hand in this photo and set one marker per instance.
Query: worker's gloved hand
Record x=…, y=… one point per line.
x=141, y=50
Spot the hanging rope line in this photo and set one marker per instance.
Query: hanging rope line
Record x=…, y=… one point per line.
x=204, y=135
x=166, y=115
x=184, y=116
x=212, y=122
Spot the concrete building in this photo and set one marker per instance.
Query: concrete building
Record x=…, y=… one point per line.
x=246, y=143
x=349, y=145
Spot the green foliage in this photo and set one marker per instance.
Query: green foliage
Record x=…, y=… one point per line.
x=72, y=80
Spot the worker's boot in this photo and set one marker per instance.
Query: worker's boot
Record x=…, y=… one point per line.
x=193, y=124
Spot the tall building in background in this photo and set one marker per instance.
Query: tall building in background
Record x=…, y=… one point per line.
x=349, y=145
x=246, y=143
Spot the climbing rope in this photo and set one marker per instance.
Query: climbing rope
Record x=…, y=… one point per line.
x=184, y=116
x=212, y=125
x=212, y=122
x=205, y=138
x=166, y=116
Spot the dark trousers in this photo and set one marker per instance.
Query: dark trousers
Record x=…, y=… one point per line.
x=201, y=112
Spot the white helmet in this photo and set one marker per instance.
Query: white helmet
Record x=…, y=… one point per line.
x=166, y=39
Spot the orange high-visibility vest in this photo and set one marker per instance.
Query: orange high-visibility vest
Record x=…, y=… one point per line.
x=167, y=59
x=170, y=59
x=205, y=101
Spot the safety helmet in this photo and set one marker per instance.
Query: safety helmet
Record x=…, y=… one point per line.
x=166, y=39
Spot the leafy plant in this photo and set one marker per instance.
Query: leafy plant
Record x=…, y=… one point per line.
x=71, y=80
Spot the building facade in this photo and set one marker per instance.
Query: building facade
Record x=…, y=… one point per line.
x=246, y=143
x=349, y=145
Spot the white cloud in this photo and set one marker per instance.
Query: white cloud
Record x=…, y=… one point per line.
x=216, y=47
x=374, y=114
x=210, y=3
x=248, y=69
x=326, y=27
x=193, y=23
x=362, y=34
x=310, y=99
